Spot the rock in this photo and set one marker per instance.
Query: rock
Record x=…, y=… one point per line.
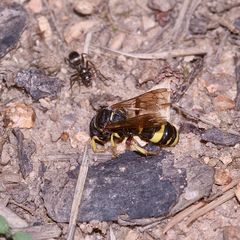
x=19, y=115
x=37, y=84
x=216, y=136
x=25, y=150
x=200, y=178
x=226, y=158
x=161, y=5
x=198, y=25
x=222, y=177
x=85, y=7
x=131, y=185
x=13, y=20
x=19, y=192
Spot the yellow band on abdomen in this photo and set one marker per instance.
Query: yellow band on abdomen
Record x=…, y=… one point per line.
x=158, y=135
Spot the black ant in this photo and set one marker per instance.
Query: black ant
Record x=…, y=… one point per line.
x=85, y=69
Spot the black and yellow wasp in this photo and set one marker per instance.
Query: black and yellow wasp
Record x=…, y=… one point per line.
x=140, y=116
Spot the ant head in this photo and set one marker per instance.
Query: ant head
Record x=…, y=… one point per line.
x=74, y=57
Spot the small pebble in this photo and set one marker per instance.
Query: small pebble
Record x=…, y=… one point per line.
x=222, y=177
x=84, y=7
x=19, y=115
x=35, y=6
x=74, y=31
x=161, y=5
x=45, y=27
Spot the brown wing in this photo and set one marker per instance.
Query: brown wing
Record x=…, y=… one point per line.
x=149, y=102
x=141, y=121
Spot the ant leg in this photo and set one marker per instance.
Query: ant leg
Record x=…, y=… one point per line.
x=97, y=73
x=73, y=79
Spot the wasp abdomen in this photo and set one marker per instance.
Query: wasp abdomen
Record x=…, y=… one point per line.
x=164, y=135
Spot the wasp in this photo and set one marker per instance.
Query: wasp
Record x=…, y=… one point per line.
x=141, y=116
x=84, y=69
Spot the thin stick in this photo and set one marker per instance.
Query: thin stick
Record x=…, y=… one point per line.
x=208, y=207
x=54, y=21
x=164, y=55
x=179, y=22
x=221, y=48
x=237, y=73
x=223, y=22
x=78, y=194
x=181, y=215
x=224, y=189
x=194, y=4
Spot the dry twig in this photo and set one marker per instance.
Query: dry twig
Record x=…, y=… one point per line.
x=223, y=22
x=165, y=54
x=54, y=21
x=78, y=194
x=180, y=20
x=237, y=73
x=224, y=189
x=208, y=207
x=42, y=232
x=194, y=4
x=180, y=216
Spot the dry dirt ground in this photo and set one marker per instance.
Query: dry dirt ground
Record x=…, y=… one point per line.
x=131, y=42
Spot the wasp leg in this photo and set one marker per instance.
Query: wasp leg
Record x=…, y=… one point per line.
x=94, y=144
x=114, y=146
x=140, y=149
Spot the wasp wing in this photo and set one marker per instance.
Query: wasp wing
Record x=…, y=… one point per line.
x=150, y=102
x=138, y=122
